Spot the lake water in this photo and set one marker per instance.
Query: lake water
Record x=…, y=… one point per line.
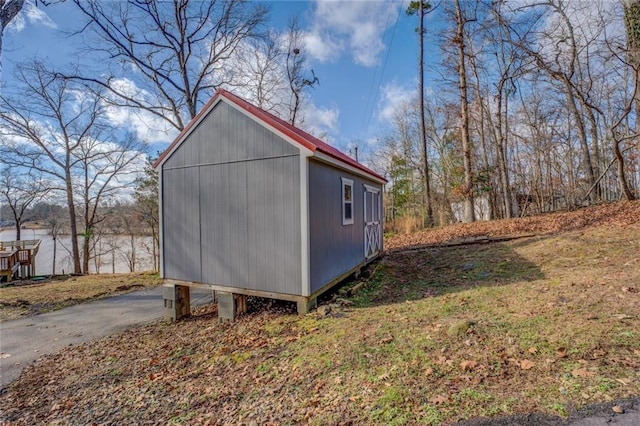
x=114, y=252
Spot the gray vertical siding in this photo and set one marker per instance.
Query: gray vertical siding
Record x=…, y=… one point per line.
x=335, y=248
x=226, y=135
x=244, y=184
x=181, y=224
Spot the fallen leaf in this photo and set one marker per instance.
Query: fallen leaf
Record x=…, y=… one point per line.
x=525, y=364
x=582, y=372
x=468, y=365
x=441, y=360
x=438, y=399
x=561, y=353
x=617, y=409
x=428, y=371
x=387, y=339
x=533, y=350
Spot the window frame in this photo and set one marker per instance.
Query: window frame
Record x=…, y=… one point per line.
x=344, y=182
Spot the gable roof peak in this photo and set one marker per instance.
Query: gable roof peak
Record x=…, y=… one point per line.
x=295, y=134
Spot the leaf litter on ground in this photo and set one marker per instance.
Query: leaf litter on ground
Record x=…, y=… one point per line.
x=543, y=329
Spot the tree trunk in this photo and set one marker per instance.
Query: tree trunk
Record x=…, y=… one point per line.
x=156, y=261
x=86, y=251
x=423, y=127
x=469, y=211
x=55, y=248
x=632, y=24
x=502, y=156
x=582, y=134
x=595, y=147
x=622, y=178
x=8, y=11
x=73, y=228
x=133, y=253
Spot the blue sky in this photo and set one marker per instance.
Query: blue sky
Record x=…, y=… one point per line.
x=364, y=53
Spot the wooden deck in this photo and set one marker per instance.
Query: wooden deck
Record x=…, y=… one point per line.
x=18, y=258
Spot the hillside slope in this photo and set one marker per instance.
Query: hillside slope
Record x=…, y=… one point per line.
x=607, y=215
x=435, y=335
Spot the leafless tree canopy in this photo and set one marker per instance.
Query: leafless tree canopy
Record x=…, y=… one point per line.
x=537, y=110
x=177, y=52
x=57, y=128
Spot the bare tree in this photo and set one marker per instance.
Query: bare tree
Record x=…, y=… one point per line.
x=273, y=73
x=461, y=20
x=8, y=11
x=295, y=65
x=146, y=206
x=54, y=224
x=421, y=8
x=632, y=27
x=58, y=128
x=105, y=170
x=559, y=54
x=259, y=75
x=20, y=188
x=178, y=50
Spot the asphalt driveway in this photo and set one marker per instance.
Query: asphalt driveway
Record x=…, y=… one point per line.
x=24, y=340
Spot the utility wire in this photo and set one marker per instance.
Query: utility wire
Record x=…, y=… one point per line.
x=368, y=112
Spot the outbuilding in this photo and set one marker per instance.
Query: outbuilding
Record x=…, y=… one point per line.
x=252, y=206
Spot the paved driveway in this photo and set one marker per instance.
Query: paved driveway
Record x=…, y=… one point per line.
x=23, y=341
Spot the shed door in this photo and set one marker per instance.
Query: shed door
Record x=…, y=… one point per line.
x=372, y=223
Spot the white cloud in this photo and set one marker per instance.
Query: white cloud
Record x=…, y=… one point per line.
x=393, y=97
x=320, y=121
x=146, y=126
x=355, y=28
x=31, y=14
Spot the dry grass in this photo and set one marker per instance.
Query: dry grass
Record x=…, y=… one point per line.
x=437, y=335
x=22, y=299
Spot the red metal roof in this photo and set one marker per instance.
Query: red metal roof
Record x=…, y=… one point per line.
x=297, y=135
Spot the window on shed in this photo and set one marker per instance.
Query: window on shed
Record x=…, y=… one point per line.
x=347, y=201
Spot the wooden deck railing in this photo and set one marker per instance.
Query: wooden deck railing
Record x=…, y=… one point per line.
x=18, y=256
x=9, y=263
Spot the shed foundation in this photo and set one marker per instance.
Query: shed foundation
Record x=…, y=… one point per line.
x=177, y=302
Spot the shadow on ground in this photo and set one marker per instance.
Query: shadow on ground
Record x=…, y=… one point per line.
x=415, y=274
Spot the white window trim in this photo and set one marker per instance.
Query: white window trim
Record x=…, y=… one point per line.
x=345, y=220
x=370, y=188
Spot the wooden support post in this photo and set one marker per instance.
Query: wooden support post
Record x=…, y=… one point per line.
x=230, y=305
x=304, y=306
x=241, y=303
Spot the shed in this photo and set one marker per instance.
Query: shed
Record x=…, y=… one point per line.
x=252, y=206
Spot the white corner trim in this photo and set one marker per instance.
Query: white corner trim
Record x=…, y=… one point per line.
x=160, y=225
x=305, y=243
